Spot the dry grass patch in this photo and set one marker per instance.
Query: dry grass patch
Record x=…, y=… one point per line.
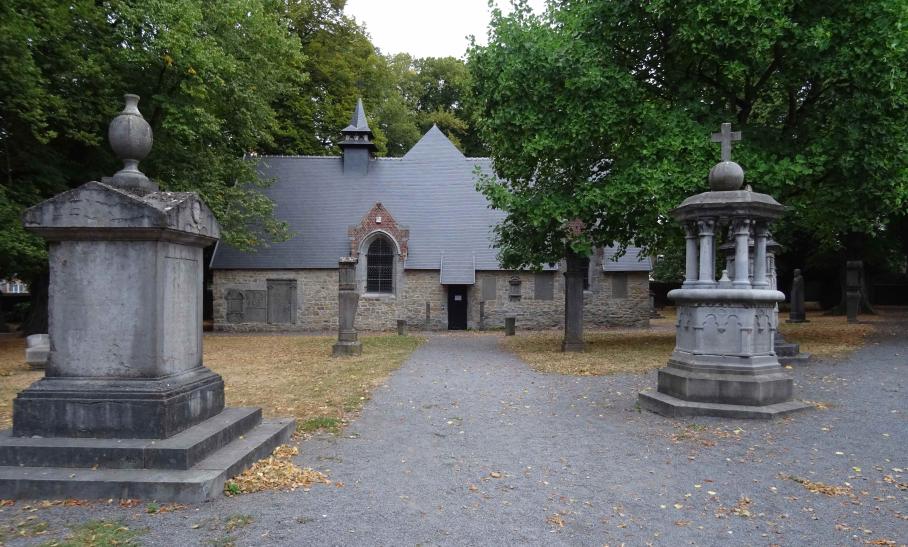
x=624, y=351
x=636, y=351
x=296, y=375
x=14, y=376
x=829, y=336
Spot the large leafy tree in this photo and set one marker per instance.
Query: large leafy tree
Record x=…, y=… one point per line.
x=599, y=110
x=208, y=79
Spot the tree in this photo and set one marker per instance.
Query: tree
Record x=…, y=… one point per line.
x=208, y=79
x=600, y=111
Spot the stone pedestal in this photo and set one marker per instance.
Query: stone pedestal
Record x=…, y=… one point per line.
x=724, y=363
x=125, y=364
x=510, y=325
x=347, y=302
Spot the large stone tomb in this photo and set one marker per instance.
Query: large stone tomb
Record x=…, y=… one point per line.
x=724, y=363
x=126, y=408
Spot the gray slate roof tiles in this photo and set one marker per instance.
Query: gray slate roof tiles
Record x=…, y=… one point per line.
x=431, y=191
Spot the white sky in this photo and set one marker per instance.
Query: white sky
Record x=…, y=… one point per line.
x=426, y=28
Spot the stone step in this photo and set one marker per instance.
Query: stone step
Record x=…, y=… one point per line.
x=787, y=349
x=799, y=359
x=182, y=451
x=674, y=407
x=204, y=481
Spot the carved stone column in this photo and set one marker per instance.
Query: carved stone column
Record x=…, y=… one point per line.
x=760, y=236
x=741, y=229
x=707, y=230
x=347, y=302
x=690, y=262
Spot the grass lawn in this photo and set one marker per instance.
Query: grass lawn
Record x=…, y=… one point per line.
x=637, y=351
x=285, y=375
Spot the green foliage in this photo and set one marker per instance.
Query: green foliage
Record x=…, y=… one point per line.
x=208, y=80
x=101, y=532
x=601, y=110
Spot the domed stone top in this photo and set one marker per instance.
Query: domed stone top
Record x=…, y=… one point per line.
x=726, y=175
x=131, y=138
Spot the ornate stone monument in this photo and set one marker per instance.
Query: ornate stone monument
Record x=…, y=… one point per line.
x=724, y=363
x=796, y=311
x=126, y=408
x=347, y=302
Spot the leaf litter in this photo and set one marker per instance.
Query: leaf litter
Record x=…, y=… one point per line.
x=276, y=472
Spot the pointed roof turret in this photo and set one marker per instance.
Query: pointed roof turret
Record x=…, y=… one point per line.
x=358, y=121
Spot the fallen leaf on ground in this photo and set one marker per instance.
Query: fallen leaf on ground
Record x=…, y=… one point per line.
x=277, y=472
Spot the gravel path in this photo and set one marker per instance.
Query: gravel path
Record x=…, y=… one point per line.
x=467, y=445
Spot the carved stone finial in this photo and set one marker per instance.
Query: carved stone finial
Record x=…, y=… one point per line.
x=131, y=139
x=726, y=175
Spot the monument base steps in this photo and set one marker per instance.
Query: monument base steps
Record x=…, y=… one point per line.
x=342, y=349
x=673, y=407
x=189, y=467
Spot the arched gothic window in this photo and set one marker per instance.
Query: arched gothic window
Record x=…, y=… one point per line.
x=380, y=267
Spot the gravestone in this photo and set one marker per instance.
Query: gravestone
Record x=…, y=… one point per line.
x=796, y=310
x=724, y=363
x=126, y=407
x=38, y=347
x=853, y=287
x=347, y=301
x=510, y=325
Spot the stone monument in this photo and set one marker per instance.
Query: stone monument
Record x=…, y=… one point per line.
x=347, y=302
x=38, y=347
x=126, y=408
x=854, y=285
x=724, y=363
x=796, y=311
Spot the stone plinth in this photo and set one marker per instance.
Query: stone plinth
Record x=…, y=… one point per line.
x=724, y=362
x=347, y=301
x=124, y=310
x=126, y=407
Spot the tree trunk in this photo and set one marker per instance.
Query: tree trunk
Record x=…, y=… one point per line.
x=573, y=304
x=36, y=321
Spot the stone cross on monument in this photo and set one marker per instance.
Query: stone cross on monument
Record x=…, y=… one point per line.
x=726, y=136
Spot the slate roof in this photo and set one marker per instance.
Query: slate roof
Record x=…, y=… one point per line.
x=634, y=260
x=430, y=191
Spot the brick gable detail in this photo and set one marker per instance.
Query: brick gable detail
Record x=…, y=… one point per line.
x=370, y=223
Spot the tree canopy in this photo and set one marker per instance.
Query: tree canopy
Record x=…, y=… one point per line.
x=600, y=111
x=217, y=83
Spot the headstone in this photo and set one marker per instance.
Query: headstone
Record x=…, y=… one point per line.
x=853, y=288
x=401, y=327
x=724, y=363
x=482, y=315
x=125, y=373
x=514, y=284
x=573, y=308
x=510, y=325
x=37, y=350
x=796, y=310
x=347, y=302
x=428, y=315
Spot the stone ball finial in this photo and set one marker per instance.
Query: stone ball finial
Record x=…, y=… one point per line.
x=726, y=175
x=131, y=139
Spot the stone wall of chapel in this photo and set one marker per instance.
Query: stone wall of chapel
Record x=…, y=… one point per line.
x=316, y=306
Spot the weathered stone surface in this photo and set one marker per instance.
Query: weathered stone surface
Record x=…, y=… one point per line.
x=37, y=351
x=317, y=300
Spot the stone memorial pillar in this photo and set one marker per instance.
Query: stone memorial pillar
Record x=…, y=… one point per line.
x=853, y=289
x=125, y=373
x=573, y=314
x=724, y=363
x=797, y=312
x=347, y=302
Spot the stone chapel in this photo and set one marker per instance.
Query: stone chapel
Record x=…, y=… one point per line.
x=422, y=235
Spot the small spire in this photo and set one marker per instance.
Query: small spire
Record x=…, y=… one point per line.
x=358, y=121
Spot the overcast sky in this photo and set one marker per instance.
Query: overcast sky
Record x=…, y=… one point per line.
x=426, y=28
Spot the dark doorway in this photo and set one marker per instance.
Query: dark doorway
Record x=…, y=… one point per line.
x=457, y=307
